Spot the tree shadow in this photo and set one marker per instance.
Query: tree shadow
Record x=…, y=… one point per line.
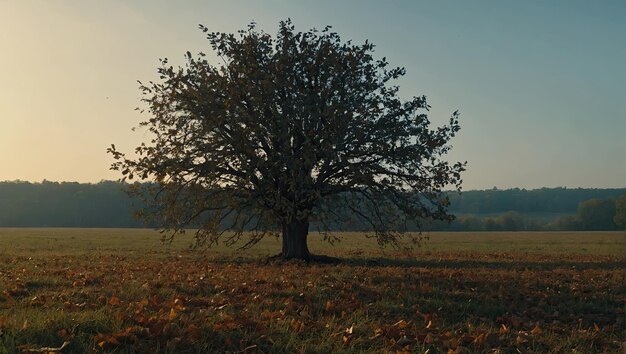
x=432, y=263
x=513, y=264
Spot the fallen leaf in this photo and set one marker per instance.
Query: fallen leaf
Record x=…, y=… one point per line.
x=347, y=335
x=172, y=314
x=401, y=324
x=114, y=301
x=377, y=333
x=479, y=340
x=329, y=306
x=297, y=325
x=179, y=304
x=536, y=330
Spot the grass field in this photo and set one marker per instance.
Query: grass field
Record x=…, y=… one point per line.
x=121, y=290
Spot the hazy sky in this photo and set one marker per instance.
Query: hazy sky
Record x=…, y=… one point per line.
x=541, y=85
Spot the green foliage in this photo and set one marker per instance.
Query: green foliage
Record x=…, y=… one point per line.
x=569, y=222
x=542, y=209
x=507, y=221
x=286, y=129
x=597, y=214
x=105, y=204
x=543, y=200
x=620, y=211
x=593, y=214
x=67, y=204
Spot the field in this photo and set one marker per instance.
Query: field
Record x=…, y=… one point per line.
x=122, y=291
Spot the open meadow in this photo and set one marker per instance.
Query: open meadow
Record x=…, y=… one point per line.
x=122, y=291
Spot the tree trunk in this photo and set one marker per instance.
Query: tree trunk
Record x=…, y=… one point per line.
x=294, y=240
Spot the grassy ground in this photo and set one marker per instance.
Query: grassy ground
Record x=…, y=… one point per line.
x=61, y=241
x=103, y=290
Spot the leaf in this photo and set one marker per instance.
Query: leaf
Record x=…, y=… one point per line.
x=402, y=324
x=536, y=330
x=179, y=304
x=114, y=301
x=480, y=339
x=107, y=341
x=172, y=314
x=347, y=335
x=377, y=333
x=297, y=325
x=329, y=306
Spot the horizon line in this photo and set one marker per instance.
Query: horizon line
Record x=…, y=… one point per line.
x=450, y=190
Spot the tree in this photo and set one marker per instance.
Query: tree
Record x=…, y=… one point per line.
x=286, y=131
x=620, y=211
x=597, y=214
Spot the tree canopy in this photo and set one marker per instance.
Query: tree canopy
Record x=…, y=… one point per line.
x=288, y=129
x=597, y=214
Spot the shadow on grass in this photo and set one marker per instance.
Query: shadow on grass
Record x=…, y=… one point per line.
x=499, y=263
x=469, y=264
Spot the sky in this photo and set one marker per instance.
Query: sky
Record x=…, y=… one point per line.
x=540, y=85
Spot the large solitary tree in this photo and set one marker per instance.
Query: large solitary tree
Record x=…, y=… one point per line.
x=285, y=131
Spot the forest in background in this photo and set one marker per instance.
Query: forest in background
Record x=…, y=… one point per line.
x=105, y=204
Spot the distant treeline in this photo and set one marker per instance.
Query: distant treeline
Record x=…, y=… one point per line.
x=105, y=204
x=66, y=204
x=534, y=210
x=544, y=200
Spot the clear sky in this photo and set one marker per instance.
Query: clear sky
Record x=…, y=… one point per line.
x=541, y=85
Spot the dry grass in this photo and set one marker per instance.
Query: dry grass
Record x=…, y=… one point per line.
x=122, y=291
